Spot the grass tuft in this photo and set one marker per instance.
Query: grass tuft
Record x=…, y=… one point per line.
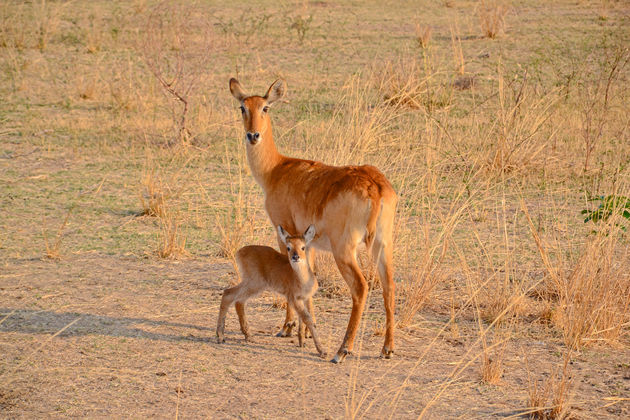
x=492, y=19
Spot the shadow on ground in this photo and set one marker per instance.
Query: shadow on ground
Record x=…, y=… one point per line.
x=30, y=321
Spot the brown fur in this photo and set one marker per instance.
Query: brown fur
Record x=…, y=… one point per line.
x=263, y=268
x=347, y=204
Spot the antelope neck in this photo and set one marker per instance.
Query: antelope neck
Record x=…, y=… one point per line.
x=304, y=274
x=264, y=157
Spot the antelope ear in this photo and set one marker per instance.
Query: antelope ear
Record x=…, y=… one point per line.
x=237, y=90
x=283, y=234
x=309, y=234
x=275, y=92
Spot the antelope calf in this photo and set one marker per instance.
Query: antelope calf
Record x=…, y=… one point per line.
x=263, y=268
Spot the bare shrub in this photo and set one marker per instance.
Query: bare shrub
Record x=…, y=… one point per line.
x=521, y=131
x=249, y=24
x=175, y=55
x=421, y=280
x=93, y=36
x=492, y=19
x=234, y=230
x=417, y=288
x=597, y=90
x=13, y=33
x=500, y=305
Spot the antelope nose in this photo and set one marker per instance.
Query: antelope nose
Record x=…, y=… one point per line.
x=253, y=137
x=295, y=257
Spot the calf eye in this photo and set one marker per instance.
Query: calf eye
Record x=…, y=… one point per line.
x=242, y=109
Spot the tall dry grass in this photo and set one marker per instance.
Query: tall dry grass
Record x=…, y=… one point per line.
x=589, y=292
x=550, y=398
x=492, y=18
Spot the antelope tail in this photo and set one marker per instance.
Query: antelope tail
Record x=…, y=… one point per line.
x=375, y=211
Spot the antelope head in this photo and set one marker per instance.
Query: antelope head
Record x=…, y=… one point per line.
x=255, y=109
x=296, y=245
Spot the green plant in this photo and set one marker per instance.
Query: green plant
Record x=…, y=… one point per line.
x=609, y=206
x=301, y=25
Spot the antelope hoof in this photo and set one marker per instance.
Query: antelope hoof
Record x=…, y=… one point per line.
x=220, y=339
x=286, y=329
x=386, y=353
x=340, y=356
x=323, y=355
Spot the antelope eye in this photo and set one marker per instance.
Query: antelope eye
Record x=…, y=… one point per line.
x=288, y=248
x=242, y=109
x=302, y=248
x=265, y=108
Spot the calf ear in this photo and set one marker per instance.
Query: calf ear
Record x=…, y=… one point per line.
x=275, y=92
x=309, y=234
x=237, y=90
x=283, y=234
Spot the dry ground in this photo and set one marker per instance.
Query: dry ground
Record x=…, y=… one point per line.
x=118, y=221
x=139, y=330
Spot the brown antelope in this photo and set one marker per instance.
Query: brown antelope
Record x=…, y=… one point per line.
x=263, y=268
x=347, y=204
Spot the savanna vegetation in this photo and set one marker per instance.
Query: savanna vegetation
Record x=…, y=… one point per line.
x=125, y=193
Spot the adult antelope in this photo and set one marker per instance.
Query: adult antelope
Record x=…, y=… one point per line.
x=347, y=204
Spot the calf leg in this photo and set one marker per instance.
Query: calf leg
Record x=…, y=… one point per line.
x=308, y=320
x=311, y=310
x=289, y=323
x=228, y=298
x=242, y=319
x=289, y=319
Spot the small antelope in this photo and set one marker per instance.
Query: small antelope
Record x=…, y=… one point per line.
x=263, y=268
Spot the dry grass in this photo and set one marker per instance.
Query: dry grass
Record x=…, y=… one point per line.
x=171, y=243
x=492, y=19
x=591, y=293
x=153, y=195
x=549, y=399
x=423, y=35
x=408, y=83
x=53, y=251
